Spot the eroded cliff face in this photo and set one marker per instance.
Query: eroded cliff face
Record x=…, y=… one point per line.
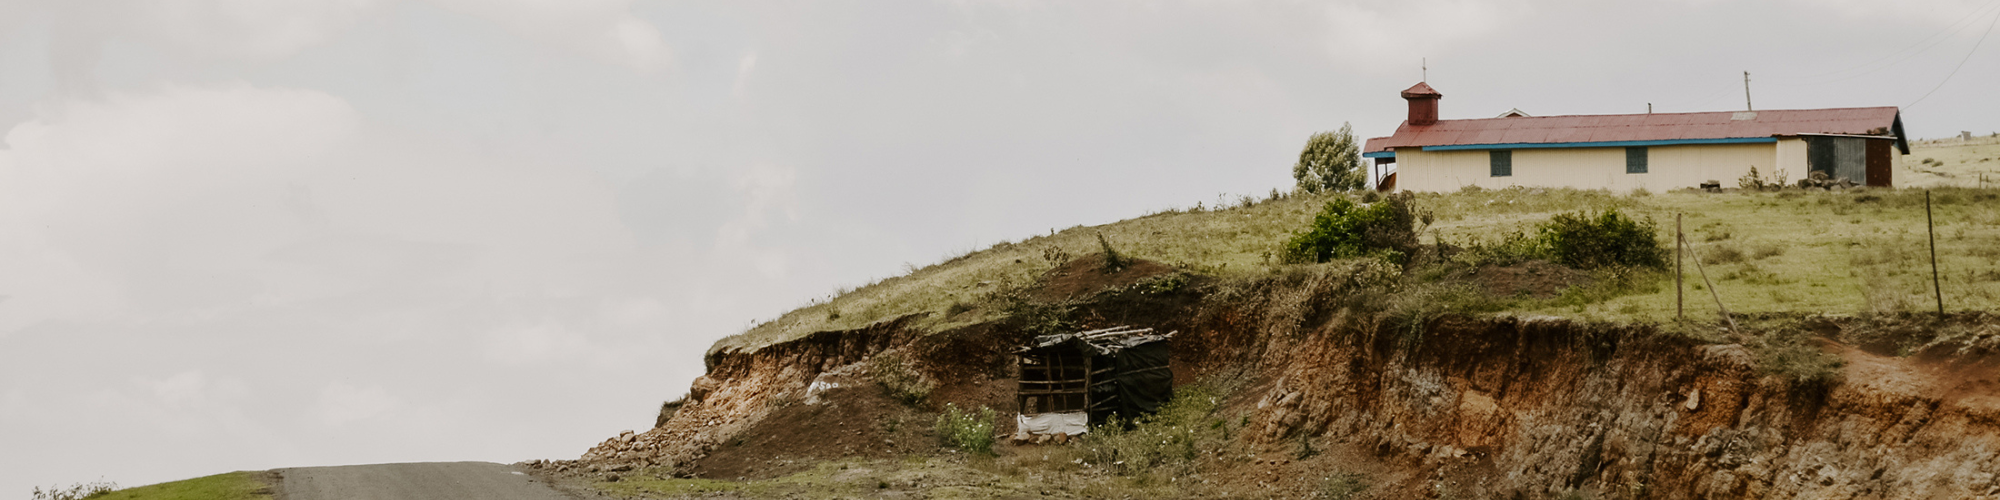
x=738, y=391
x=1493, y=407
x=1510, y=407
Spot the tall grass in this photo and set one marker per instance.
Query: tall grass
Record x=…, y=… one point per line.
x=1166, y=441
x=1790, y=251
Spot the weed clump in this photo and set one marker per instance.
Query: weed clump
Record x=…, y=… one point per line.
x=77, y=491
x=968, y=431
x=1343, y=486
x=1799, y=362
x=1173, y=435
x=1113, y=261
x=1384, y=230
x=668, y=409
x=901, y=382
x=1606, y=239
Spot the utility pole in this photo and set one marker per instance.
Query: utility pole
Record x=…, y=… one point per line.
x=1746, y=92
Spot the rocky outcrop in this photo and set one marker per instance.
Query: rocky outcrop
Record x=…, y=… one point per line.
x=736, y=393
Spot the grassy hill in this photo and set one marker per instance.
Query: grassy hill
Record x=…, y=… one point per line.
x=1862, y=251
x=239, y=485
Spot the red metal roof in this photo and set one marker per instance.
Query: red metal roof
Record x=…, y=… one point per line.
x=1881, y=121
x=1421, y=89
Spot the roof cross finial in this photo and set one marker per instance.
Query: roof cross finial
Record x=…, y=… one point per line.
x=1426, y=64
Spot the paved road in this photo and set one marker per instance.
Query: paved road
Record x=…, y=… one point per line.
x=419, y=481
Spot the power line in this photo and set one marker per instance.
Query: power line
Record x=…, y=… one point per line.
x=1969, y=20
x=1961, y=62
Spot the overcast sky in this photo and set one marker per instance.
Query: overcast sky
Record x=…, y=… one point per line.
x=247, y=234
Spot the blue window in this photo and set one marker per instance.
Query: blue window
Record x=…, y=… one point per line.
x=1635, y=160
x=1503, y=162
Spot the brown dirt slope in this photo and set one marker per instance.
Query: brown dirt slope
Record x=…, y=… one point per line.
x=1451, y=405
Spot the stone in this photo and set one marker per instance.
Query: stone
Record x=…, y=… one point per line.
x=1694, y=400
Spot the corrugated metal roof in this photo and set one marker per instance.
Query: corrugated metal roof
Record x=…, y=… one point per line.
x=1420, y=89
x=1879, y=121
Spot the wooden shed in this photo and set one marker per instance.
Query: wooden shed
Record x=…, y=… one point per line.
x=1073, y=380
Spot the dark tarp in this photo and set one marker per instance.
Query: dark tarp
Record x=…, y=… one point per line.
x=1143, y=380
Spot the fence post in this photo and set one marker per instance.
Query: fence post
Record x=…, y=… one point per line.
x=1931, y=227
x=1680, y=297
x=1711, y=289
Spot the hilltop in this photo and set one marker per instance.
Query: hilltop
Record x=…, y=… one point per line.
x=1460, y=376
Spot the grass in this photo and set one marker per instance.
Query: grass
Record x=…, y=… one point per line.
x=1861, y=251
x=939, y=477
x=1167, y=441
x=229, y=486
x=1955, y=163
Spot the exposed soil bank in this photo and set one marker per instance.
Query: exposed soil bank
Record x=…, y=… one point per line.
x=1491, y=407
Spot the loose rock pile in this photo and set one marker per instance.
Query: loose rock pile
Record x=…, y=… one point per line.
x=1820, y=180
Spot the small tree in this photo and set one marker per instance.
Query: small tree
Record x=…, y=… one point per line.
x=1330, y=162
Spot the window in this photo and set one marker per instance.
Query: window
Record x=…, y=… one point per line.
x=1635, y=160
x=1503, y=162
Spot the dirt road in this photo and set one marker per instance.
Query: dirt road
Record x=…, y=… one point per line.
x=418, y=481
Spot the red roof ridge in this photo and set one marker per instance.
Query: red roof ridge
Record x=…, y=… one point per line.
x=1665, y=114
x=1693, y=125
x=1421, y=89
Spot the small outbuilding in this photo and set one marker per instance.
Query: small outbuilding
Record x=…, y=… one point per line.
x=1071, y=381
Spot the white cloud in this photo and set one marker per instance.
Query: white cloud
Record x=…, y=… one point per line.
x=605, y=30
x=772, y=194
x=340, y=404
x=536, y=343
x=253, y=29
x=743, y=68
x=1376, y=33
x=91, y=194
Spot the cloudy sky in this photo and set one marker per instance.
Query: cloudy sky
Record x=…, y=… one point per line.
x=247, y=234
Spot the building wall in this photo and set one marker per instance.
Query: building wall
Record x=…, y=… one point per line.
x=1668, y=167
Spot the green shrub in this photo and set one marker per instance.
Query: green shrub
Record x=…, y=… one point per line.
x=967, y=431
x=1385, y=230
x=1606, y=239
x=1173, y=435
x=1514, y=248
x=898, y=379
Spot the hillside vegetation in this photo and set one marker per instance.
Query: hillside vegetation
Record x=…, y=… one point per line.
x=1862, y=251
x=1518, y=343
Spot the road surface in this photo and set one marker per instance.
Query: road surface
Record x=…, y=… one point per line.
x=419, y=481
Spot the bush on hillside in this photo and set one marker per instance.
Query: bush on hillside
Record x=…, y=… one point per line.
x=967, y=431
x=1384, y=229
x=1607, y=239
x=1330, y=162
